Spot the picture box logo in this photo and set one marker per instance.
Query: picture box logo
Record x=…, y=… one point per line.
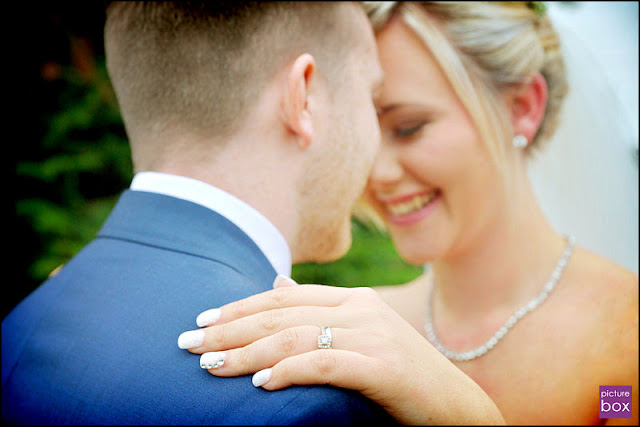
x=615, y=401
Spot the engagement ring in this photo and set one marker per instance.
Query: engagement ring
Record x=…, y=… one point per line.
x=324, y=340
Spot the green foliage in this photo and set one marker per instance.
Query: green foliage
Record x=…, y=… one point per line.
x=83, y=163
x=65, y=229
x=371, y=261
x=72, y=180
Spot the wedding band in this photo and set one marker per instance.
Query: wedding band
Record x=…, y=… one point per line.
x=324, y=340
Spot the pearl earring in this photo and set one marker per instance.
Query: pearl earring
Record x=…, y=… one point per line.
x=520, y=141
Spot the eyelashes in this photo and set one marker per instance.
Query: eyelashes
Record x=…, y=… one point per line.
x=407, y=131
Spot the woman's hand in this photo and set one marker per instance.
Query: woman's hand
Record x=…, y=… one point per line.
x=373, y=351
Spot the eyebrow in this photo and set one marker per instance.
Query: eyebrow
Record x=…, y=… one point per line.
x=390, y=107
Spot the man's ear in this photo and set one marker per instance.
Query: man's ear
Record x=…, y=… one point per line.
x=296, y=111
x=528, y=106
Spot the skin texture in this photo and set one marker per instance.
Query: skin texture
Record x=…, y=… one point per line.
x=373, y=351
x=348, y=139
x=546, y=370
x=578, y=351
x=298, y=128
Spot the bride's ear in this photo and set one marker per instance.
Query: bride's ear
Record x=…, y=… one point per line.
x=528, y=105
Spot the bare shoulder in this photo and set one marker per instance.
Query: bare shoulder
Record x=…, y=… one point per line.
x=393, y=293
x=408, y=300
x=610, y=282
x=614, y=306
x=587, y=335
x=608, y=294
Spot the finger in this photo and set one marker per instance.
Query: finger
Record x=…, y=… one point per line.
x=281, y=297
x=340, y=368
x=283, y=282
x=271, y=350
x=263, y=353
x=246, y=330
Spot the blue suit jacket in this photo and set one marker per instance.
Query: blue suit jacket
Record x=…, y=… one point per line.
x=97, y=343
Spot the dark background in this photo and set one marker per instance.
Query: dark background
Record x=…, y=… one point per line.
x=71, y=156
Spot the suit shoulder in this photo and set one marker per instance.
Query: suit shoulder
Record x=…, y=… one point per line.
x=327, y=405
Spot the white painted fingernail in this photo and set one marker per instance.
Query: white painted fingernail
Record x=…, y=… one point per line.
x=208, y=317
x=212, y=359
x=191, y=339
x=261, y=377
x=283, y=281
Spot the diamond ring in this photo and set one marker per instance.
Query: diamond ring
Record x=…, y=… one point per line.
x=324, y=340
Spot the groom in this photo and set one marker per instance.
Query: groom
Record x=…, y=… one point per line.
x=252, y=131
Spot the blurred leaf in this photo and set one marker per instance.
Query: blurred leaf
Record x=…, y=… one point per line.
x=83, y=162
x=58, y=165
x=44, y=265
x=77, y=171
x=371, y=261
x=45, y=216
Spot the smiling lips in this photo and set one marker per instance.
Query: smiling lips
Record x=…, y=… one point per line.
x=409, y=204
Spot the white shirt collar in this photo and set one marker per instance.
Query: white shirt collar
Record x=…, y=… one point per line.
x=265, y=235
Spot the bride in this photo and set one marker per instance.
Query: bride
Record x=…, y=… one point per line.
x=510, y=308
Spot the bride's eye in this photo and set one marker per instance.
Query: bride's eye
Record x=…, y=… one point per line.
x=407, y=131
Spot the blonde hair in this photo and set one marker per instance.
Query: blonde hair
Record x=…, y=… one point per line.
x=483, y=49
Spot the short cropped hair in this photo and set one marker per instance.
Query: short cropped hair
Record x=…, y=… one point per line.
x=196, y=66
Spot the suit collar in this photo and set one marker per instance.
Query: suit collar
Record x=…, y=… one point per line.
x=178, y=225
x=255, y=225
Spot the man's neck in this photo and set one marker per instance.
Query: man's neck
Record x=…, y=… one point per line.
x=253, y=171
x=255, y=225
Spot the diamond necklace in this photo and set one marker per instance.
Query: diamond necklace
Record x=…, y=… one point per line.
x=491, y=342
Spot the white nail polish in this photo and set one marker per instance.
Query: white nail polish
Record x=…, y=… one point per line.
x=208, y=317
x=261, y=377
x=191, y=339
x=212, y=359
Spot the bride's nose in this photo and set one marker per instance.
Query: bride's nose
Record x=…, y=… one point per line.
x=386, y=171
